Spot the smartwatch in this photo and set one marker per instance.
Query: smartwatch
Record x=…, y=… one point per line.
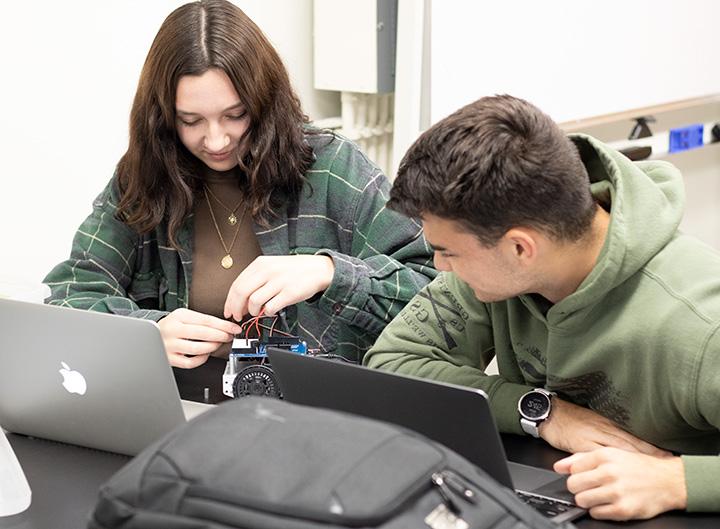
x=534, y=408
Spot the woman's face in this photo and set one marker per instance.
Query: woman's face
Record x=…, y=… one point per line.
x=211, y=119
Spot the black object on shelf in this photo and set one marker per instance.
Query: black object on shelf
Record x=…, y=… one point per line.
x=638, y=153
x=641, y=129
x=715, y=132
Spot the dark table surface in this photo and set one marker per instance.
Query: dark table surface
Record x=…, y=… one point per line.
x=521, y=449
x=55, y=470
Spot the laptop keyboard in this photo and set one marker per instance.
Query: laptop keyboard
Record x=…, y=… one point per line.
x=547, y=506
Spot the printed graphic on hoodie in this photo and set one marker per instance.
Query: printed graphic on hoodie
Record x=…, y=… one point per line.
x=593, y=390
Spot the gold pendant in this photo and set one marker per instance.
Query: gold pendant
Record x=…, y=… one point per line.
x=226, y=262
x=232, y=219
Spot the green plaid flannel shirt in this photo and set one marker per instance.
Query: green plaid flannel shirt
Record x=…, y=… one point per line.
x=381, y=258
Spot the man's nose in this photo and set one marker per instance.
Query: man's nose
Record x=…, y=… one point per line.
x=441, y=264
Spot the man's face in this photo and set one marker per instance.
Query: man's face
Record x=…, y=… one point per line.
x=491, y=271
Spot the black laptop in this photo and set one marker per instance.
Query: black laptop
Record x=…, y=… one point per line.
x=456, y=416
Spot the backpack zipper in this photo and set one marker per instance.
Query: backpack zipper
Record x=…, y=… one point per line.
x=449, y=484
x=417, y=489
x=459, y=486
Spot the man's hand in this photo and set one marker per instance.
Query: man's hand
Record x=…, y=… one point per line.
x=619, y=485
x=190, y=337
x=573, y=429
x=274, y=282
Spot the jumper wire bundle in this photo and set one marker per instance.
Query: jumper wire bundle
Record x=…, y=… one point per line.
x=254, y=323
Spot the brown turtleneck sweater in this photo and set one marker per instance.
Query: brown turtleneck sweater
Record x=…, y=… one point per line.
x=210, y=281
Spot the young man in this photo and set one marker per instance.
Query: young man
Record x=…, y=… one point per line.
x=562, y=259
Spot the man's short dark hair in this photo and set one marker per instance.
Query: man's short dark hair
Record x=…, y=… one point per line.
x=496, y=164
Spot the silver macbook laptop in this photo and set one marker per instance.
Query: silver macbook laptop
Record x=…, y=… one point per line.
x=85, y=378
x=456, y=416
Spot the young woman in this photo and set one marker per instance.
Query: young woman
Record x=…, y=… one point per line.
x=227, y=203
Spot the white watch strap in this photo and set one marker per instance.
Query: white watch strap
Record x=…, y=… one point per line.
x=530, y=427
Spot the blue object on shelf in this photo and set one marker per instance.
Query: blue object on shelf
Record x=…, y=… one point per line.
x=685, y=138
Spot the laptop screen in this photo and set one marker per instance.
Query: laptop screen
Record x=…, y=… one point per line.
x=455, y=416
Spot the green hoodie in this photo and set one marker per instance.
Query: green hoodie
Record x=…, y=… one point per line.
x=636, y=342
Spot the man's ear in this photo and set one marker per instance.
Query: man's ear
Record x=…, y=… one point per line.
x=522, y=243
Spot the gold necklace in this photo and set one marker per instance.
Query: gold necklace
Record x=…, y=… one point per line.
x=227, y=261
x=232, y=219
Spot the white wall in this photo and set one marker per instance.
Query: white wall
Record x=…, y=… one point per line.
x=701, y=171
x=462, y=65
x=700, y=167
x=574, y=59
x=69, y=75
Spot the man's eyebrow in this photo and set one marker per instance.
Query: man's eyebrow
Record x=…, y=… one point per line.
x=436, y=248
x=236, y=106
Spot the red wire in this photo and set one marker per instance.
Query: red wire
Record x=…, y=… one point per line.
x=245, y=323
x=257, y=321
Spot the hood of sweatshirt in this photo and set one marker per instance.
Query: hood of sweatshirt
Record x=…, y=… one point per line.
x=645, y=201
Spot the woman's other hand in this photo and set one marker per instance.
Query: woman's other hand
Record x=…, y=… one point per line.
x=190, y=337
x=275, y=282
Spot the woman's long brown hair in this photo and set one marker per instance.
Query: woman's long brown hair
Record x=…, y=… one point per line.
x=158, y=176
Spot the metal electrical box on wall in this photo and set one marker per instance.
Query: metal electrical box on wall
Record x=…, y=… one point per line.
x=354, y=45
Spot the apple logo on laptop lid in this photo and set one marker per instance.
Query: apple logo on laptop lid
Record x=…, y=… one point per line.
x=73, y=381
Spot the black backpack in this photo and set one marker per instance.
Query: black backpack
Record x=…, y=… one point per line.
x=259, y=463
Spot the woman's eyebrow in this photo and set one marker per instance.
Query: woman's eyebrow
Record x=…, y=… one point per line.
x=236, y=106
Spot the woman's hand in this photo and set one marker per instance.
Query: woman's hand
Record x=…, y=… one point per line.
x=190, y=337
x=274, y=282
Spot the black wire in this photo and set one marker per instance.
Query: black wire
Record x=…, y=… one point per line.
x=283, y=320
x=332, y=356
x=262, y=326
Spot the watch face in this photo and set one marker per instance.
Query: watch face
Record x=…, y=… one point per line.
x=535, y=406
